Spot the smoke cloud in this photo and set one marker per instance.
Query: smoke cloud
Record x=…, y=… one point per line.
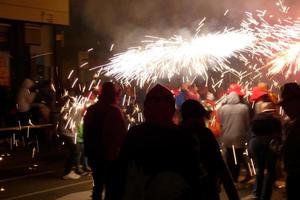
x=126, y=22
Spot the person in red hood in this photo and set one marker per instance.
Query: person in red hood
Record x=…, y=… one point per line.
x=104, y=131
x=260, y=94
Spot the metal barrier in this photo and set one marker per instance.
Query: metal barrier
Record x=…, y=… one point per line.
x=20, y=128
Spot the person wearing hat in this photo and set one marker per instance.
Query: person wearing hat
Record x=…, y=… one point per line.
x=237, y=88
x=290, y=102
x=265, y=139
x=259, y=95
x=104, y=131
x=234, y=117
x=193, y=124
x=159, y=161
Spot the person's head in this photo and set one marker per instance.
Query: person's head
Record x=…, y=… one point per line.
x=258, y=94
x=109, y=93
x=192, y=109
x=28, y=83
x=290, y=99
x=185, y=86
x=234, y=87
x=159, y=105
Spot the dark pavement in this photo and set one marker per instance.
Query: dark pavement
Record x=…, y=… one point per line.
x=24, y=178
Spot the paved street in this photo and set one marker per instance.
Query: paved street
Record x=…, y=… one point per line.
x=23, y=181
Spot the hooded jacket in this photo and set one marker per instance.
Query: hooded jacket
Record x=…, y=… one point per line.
x=104, y=131
x=25, y=98
x=234, y=118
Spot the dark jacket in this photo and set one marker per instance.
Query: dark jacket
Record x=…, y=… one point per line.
x=103, y=131
x=211, y=158
x=266, y=124
x=157, y=149
x=291, y=149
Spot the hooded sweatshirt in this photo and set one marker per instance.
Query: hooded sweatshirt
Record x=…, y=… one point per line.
x=25, y=98
x=234, y=118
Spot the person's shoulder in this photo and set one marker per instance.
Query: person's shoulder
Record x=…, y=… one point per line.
x=206, y=132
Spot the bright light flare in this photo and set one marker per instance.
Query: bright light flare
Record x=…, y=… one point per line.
x=287, y=62
x=161, y=58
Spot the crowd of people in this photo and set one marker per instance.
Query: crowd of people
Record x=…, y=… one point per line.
x=187, y=147
x=163, y=158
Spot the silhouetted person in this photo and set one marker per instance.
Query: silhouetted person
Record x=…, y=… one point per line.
x=193, y=123
x=290, y=102
x=265, y=139
x=103, y=133
x=160, y=162
x=234, y=117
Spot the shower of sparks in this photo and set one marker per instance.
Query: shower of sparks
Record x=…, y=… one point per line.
x=260, y=43
x=271, y=38
x=286, y=62
x=161, y=58
x=278, y=41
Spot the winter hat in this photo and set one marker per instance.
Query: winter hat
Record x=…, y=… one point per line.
x=159, y=105
x=257, y=92
x=159, y=93
x=234, y=87
x=108, y=92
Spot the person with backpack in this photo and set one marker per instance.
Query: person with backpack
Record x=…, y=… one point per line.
x=104, y=131
x=159, y=162
x=193, y=124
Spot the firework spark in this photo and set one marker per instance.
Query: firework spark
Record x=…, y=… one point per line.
x=278, y=41
x=161, y=58
x=287, y=62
